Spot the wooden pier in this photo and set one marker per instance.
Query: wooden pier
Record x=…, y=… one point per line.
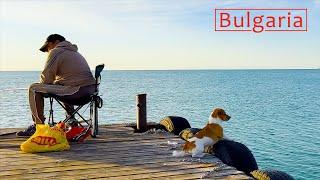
x=117, y=153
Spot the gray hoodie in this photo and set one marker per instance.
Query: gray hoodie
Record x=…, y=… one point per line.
x=67, y=67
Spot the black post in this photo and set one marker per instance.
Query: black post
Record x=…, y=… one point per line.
x=141, y=102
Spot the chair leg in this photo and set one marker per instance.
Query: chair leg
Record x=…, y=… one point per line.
x=94, y=118
x=96, y=125
x=74, y=113
x=91, y=118
x=92, y=122
x=51, y=121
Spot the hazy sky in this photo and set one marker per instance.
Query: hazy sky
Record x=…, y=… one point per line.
x=153, y=34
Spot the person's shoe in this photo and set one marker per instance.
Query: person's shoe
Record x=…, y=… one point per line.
x=27, y=132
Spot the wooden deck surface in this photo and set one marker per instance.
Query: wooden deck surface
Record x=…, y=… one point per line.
x=117, y=153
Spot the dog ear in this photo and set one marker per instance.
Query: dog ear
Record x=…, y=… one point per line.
x=215, y=113
x=221, y=112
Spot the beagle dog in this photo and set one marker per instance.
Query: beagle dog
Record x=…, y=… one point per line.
x=207, y=136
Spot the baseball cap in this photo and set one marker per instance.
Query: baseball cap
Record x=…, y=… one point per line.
x=51, y=38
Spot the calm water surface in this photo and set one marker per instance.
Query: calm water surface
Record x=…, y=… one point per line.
x=276, y=113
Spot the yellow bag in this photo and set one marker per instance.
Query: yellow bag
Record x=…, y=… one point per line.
x=46, y=139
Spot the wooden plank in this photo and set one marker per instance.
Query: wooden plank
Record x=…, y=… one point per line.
x=148, y=160
x=93, y=168
x=8, y=131
x=118, y=173
x=7, y=165
x=113, y=157
x=118, y=153
x=89, y=160
x=18, y=141
x=112, y=170
x=92, y=149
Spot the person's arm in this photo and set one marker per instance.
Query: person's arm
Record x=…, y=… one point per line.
x=49, y=72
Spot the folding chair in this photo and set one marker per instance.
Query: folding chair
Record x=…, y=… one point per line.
x=94, y=101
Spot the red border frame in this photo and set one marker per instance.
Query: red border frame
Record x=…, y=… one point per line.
x=259, y=9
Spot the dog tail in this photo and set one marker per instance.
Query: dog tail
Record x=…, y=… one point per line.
x=178, y=153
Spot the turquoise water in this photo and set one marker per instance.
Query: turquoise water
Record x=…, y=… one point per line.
x=276, y=113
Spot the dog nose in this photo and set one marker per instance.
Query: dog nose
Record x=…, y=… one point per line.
x=228, y=117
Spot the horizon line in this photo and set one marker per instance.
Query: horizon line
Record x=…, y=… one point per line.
x=203, y=69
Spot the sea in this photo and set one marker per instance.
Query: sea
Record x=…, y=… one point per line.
x=275, y=113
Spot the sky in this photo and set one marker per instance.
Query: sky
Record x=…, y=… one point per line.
x=153, y=35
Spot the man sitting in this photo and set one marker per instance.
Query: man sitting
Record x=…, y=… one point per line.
x=66, y=74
